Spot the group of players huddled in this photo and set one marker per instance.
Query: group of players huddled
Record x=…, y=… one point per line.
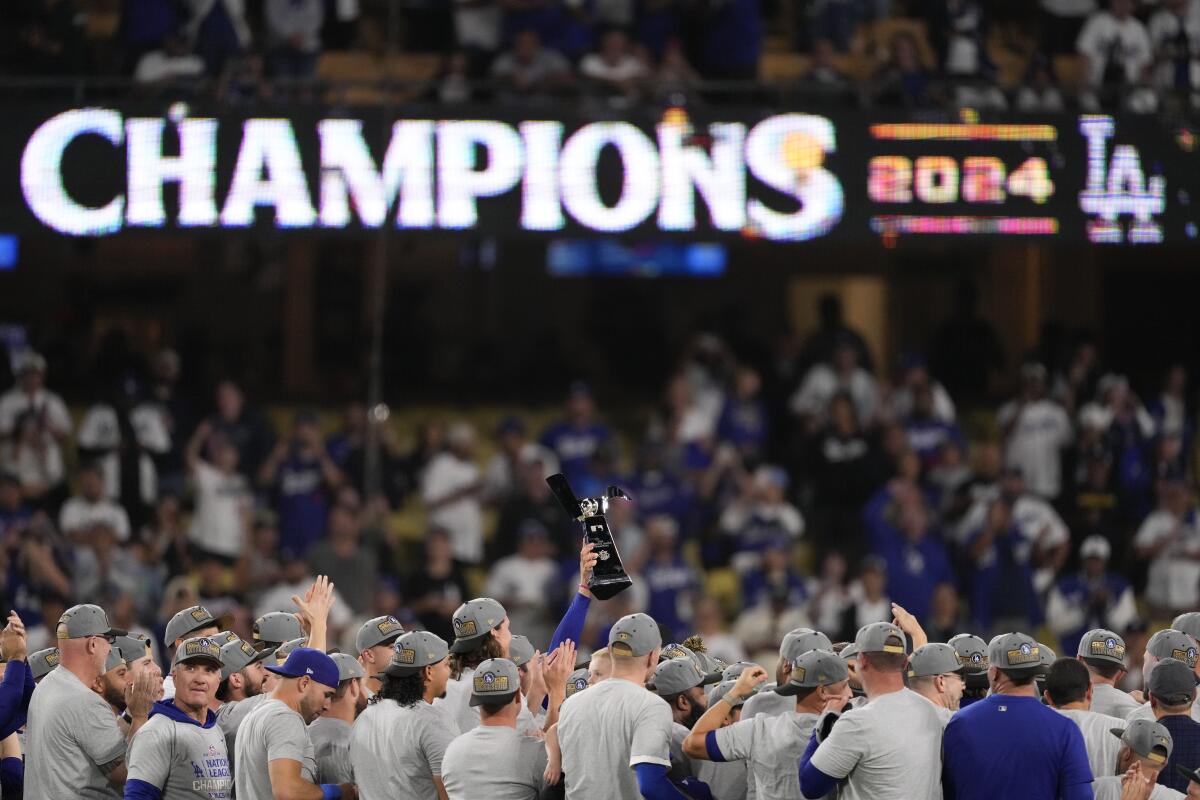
x=889, y=716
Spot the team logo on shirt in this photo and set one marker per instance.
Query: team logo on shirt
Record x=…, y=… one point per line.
x=1025, y=654
x=464, y=628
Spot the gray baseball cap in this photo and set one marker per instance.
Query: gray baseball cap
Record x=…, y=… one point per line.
x=1148, y=739
x=473, y=620
x=674, y=650
x=972, y=652
x=198, y=648
x=1189, y=623
x=1172, y=682
x=113, y=659
x=675, y=676
x=723, y=688
x=520, y=650
x=496, y=680
x=733, y=671
x=1015, y=651
x=577, y=681
x=186, y=621
x=82, y=621
x=849, y=652
x=801, y=640
x=274, y=628
x=1104, y=645
x=133, y=646
x=881, y=637
x=416, y=650
x=284, y=650
x=1048, y=657
x=708, y=666
x=222, y=638
x=1170, y=643
x=812, y=669
x=43, y=662
x=348, y=667
x=634, y=635
x=236, y=655
x=380, y=630
x=934, y=659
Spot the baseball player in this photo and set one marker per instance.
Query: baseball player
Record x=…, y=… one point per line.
x=1069, y=690
x=600, y=667
x=888, y=748
x=274, y=628
x=935, y=673
x=680, y=683
x=180, y=751
x=191, y=622
x=241, y=687
x=330, y=732
x=399, y=741
x=772, y=745
x=275, y=757
x=1103, y=653
x=1189, y=623
x=1010, y=745
x=43, y=662
x=375, y=642
x=480, y=632
x=1172, y=690
x=138, y=653
x=795, y=642
x=114, y=681
x=74, y=746
x=972, y=654
x=493, y=760
x=615, y=737
x=1145, y=747
x=1167, y=643
x=728, y=778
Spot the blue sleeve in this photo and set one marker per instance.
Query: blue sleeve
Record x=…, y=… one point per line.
x=12, y=777
x=12, y=691
x=710, y=746
x=813, y=782
x=653, y=783
x=571, y=626
x=140, y=790
x=1075, y=777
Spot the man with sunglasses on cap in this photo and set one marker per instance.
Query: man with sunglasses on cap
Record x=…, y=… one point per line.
x=74, y=747
x=1010, y=745
x=180, y=751
x=1145, y=748
x=275, y=756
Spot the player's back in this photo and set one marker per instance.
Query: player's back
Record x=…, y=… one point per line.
x=603, y=731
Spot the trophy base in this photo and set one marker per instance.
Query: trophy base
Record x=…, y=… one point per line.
x=605, y=588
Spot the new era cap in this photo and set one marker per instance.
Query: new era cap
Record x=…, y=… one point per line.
x=1189, y=623
x=634, y=635
x=1103, y=645
x=236, y=655
x=416, y=650
x=133, y=646
x=348, y=667
x=200, y=648
x=1048, y=657
x=496, y=680
x=275, y=628
x=284, y=650
x=520, y=650
x=881, y=637
x=82, y=621
x=222, y=638
x=43, y=662
x=674, y=677
x=1148, y=739
x=113, y=659
x=972, y=652
x=305, y=661
x=473, y=620
x=186, y=621
x=934, y=659
x=378, y=631
x=812, y=669
x=577, y=681
x=1172, y=682
x=1015, y=651
x=801, y=640
x=1171, y=643
x=723, y=688
x=732, y=672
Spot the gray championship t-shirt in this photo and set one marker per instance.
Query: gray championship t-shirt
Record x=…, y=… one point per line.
x=1102, y=746
x=607, y=730
x=767, y=703
x=396, y=751
x=889, y=749
x=71, y=733
x=1109, y=788
x=724, y=780
x=494, y=763
x=229, y=719
x=271, y=733
x=457, y=703
x=772, y=745
x=1112, y=702
x=181, y=759
x=331, y=744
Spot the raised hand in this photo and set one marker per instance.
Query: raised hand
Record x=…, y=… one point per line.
x=145, y=690
x=13, y=644
x=559, y=665
x=750, y=678
x=587, y=562
x=315, y=606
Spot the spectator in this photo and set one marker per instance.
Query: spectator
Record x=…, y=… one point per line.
x=243, y=427
x=674, y=78
x=732, y=40
x=454, y=82
x=294, y=582
x=574, y=439
x=1039, y=92
x=1117, y=52
x=477, y=28
x=842, y=374
x=1001, y=578
x=513, y=452
x=451, y=488
x=743, y=419
x=176, y=418
x=614, y=70
x=1036, y=429
x=916, y=559
x=91, y=509
x=760, y=628
x=350, y=565
x=31, y=395
x=1171, y=410
x=1095, y=509
x=776, y=570
x=903, y=80
x=302, y=477
x=915, y=377
x=223, y=500
x=33, y=461
x=947, y=615
x=438, y=586
x=672, y=584
x=826, y=74
x=1175, y=36
x=1091, y=598
x=171, y=63
x=832, y=332
x=530, y=71
x=844, y=471
x=525, y=581
x=762, y=515
x=965, y=59
x=533, y=501
x=218, y=31
x=829, y=593
x=293, y=29
x=927, y=432
x=1170, y=540
x=710, y=626
x=869, y=601
x=657, y=491
x=144, y=27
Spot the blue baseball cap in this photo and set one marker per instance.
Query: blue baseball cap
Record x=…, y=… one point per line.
x=305, y=661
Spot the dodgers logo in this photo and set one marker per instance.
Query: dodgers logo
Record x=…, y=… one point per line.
x=1110, y=643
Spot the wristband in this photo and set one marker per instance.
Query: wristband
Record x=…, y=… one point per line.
x=331, y=791
x=584, y=587
x=731, y=698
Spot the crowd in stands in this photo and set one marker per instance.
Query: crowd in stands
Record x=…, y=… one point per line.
x=1134, y=55
x=814, y=495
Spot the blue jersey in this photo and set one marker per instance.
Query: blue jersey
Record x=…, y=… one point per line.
x=1007, y=747
x=303, y=505
x=1077, y=591
x=574, y=447
x=914, y=568
x=1002, y=581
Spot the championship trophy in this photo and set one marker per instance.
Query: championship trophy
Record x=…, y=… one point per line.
x=608, y=577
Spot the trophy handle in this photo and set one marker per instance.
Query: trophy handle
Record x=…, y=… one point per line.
x=562, y=492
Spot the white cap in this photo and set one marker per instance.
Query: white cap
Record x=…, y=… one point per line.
x=1095, y=546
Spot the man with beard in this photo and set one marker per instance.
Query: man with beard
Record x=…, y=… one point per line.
x=241, y=687
x=180, y=752
x=330, y=732
x=680, y=683
x=398, y=743
x=114, y=682
x=275, y=757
